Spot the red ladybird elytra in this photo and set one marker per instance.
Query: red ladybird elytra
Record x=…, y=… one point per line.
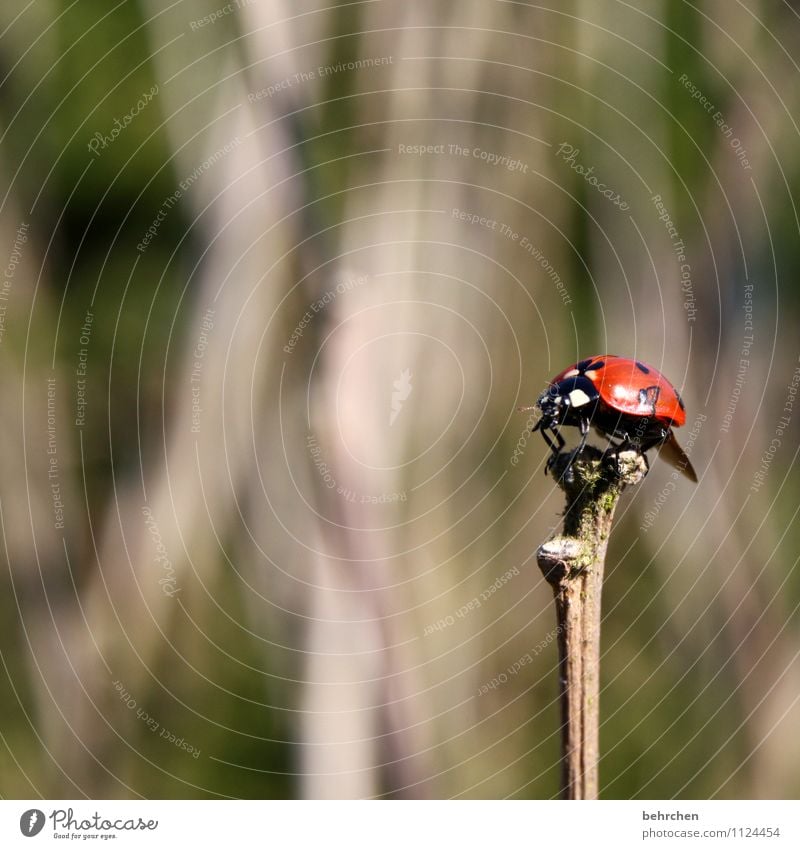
x=621, y=398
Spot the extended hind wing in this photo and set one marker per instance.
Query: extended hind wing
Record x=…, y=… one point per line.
x=672, y=452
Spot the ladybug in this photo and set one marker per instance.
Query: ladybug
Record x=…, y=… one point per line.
x=621, y=398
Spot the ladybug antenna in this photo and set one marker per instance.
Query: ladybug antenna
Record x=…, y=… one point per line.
x=528, y=410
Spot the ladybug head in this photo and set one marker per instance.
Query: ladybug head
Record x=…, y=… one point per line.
x=552, y=405
x=569, y=401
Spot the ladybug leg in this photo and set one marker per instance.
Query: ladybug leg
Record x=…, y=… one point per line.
x=613, y=450
x=555, y=447
x=652, y=443
x=628, y=444
x=584, y=425
x=550, y=444
x=614, y=456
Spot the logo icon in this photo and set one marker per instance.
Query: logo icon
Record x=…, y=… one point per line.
x=402, y=389
x=31, y=822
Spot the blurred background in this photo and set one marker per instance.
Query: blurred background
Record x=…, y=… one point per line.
x=276, y=277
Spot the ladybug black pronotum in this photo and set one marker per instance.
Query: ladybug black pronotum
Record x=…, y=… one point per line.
x=621, y=398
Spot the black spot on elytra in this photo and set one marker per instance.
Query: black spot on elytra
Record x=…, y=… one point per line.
x=642, y=367
x=649, y=397
x=597, y=364
x=583, y=365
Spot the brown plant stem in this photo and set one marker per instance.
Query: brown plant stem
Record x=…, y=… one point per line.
x=573, y=565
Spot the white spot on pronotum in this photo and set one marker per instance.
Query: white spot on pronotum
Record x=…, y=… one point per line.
x=572, y=372
x=577, y=398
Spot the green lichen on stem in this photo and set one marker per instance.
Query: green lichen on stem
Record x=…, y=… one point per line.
x=573, y=564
